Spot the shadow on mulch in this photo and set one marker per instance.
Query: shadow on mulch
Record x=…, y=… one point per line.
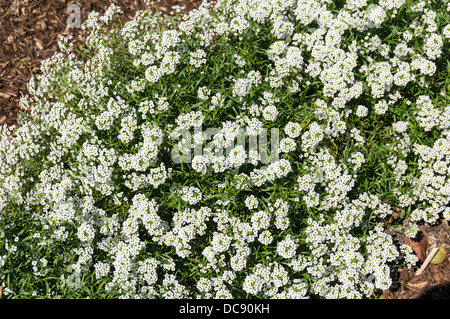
x=438, y=293
x=29, y=32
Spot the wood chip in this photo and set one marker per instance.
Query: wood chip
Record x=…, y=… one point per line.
x=39, y=44
x=419, y=285
x=2, y=119
x=5, y=95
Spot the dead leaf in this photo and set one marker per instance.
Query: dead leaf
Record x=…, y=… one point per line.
x=439, y=257
x=420, y=248
x=405, y=275
x=2, y=119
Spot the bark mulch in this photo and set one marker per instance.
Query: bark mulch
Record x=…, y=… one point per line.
x=29, y=31
x=434, y=281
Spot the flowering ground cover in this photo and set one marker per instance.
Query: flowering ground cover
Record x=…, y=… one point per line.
x=249, y=149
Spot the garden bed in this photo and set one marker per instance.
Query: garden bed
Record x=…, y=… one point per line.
x=29, y=31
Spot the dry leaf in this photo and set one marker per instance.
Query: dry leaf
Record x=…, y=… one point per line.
x=439, y=257
x=420, y=248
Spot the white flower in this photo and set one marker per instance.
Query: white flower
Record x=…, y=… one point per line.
x=400, y=126
x=86, y=232
x=242, y=87
x=101, y=269
x=287, y=247
x=253, y=284
x=217, y=100
x=238, y=25
x=251, y=202
x=255, y=126
x=197, y=58
x=191, y=194
x=220, y=242
x=260, y=220
x=239, y=61
x=287, y=145
x=270, y=113
x=446, y=31
x=203, y=93
x=433, y=45
x=204, y=284
x=376, y=15
x=130, y=227
x=293, y=129
x=265, y=237
x=381, y=107
x=153, y=74
x=279, y=276
x=95, y=137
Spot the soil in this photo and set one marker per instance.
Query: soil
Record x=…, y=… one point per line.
x=29, y=31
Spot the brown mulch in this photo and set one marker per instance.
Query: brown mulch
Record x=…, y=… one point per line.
x=29, y=30
x=434, y=282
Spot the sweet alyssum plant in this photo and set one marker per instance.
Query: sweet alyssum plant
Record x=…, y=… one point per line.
x=250, y=149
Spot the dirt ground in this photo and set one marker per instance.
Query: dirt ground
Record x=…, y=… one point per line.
x=29, y=30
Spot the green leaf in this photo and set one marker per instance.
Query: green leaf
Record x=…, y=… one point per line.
x=439, y=257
